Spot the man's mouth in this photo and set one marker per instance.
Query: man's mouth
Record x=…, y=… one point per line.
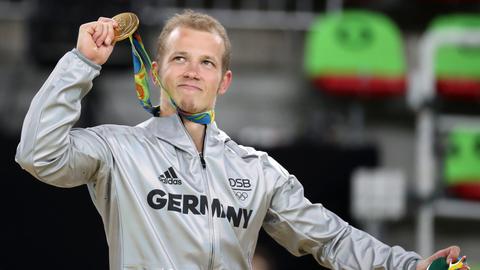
x=189, y=87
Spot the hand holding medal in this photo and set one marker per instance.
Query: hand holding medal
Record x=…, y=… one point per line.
x=96, y=39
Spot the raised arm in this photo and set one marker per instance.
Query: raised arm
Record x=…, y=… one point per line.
x=49, y=149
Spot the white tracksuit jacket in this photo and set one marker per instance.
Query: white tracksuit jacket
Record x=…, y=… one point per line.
x=165, y=207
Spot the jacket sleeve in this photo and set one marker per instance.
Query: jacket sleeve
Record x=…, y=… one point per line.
x=306, y=228
x=49, y=148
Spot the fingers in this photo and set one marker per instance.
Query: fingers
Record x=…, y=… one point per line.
x=103, y=35
x=453, y=254
x=103, y=31
x=110, y=34
x=98, y=30
x=96, y=39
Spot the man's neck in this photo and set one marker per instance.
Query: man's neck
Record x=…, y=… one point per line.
x=196, y=131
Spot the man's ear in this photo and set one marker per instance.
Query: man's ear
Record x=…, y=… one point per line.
x=226, y=81
x=155, y=71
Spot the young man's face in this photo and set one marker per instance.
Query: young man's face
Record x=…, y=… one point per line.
x=191, y=69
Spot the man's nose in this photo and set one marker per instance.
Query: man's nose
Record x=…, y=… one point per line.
x=191, y=71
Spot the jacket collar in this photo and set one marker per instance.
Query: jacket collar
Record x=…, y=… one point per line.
x=171, y=129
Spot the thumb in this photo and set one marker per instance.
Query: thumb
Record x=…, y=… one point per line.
x=452, y=253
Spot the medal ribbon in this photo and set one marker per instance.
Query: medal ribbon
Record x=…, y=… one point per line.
x=142, y=68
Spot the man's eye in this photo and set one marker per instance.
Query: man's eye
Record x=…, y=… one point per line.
x=208, y=63
x=179, y=59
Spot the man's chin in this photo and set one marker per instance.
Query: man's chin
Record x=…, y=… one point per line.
x=189, y=108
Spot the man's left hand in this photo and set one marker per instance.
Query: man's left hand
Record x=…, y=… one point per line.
x=451, y=254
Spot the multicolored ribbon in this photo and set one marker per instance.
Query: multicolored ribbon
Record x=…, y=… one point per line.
x=142, y=67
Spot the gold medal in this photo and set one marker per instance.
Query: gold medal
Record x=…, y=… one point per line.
x=127, y=25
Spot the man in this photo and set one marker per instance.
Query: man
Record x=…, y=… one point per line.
x=177, y=194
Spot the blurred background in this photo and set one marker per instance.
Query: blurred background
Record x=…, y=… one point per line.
x=372, y=104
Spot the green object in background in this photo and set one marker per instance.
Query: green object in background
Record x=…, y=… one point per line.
x=453, y=60
x=462, y=161
x=354, y=42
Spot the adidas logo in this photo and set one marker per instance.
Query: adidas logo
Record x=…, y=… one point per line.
x=170, y=177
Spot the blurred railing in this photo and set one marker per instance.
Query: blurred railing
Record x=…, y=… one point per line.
x=235, y=14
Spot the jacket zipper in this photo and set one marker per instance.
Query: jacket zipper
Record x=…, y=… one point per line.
x=202, y=160
x=210, y=214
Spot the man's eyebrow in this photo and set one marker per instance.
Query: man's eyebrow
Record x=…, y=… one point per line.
x=208, y=57
x=180, y=52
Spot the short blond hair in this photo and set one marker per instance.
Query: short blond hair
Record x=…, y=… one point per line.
x=196, y=21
